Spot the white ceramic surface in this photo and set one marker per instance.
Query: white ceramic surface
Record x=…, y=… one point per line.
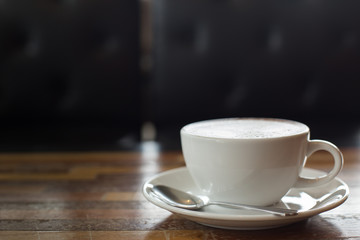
x=251, y=170
x=309, y=202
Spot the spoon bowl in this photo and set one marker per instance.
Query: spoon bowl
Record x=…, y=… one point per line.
x=177, y=198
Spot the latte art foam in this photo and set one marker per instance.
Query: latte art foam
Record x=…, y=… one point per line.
x=245, y=128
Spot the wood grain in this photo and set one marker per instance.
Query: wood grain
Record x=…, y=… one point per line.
x=96, y=195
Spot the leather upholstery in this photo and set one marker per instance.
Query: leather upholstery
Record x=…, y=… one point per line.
x=69, y=59
x=295, y=59
x=69, y=73
x=74, y=64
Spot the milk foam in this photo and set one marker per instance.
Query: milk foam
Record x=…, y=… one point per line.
x=245, y=128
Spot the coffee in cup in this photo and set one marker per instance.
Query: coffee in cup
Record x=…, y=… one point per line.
x=252, y=160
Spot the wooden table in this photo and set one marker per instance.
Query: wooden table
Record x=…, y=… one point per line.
x=97, y=195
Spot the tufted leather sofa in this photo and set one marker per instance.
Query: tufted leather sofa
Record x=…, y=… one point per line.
x=296, y=59
x=69, y=65
x=69, y=69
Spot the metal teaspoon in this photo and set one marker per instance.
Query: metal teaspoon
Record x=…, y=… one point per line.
x=180, y=199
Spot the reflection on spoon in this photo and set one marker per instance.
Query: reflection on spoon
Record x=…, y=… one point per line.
x=304, y=201
x=180, y=199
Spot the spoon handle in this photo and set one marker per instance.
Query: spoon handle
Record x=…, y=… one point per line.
x=273, y=210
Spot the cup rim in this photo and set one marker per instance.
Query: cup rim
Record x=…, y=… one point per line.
x=305, y=132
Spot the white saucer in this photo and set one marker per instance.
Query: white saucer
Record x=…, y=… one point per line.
x=309, y=202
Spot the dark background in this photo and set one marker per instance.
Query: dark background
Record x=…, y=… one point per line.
x=109, y=74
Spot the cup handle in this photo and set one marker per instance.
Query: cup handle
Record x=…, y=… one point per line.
x=316, y=145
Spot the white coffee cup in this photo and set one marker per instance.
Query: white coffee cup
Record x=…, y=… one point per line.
x=252, y=160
